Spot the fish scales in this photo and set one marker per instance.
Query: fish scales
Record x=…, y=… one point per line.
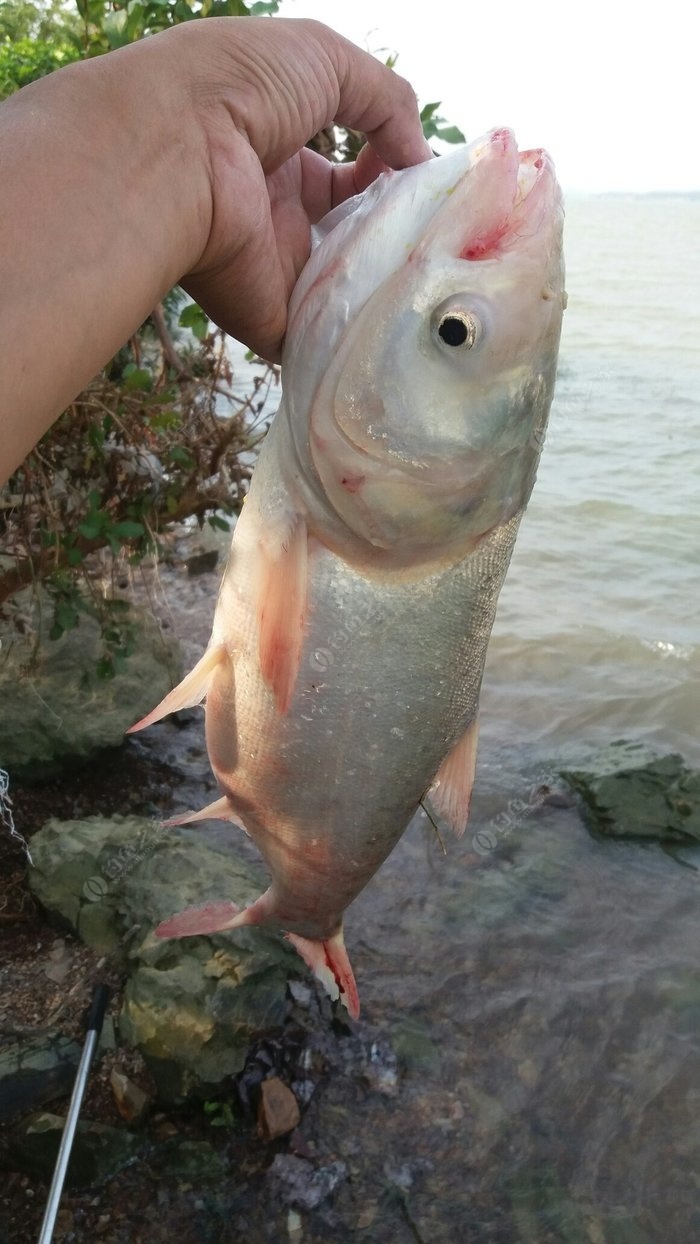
x=343, y=674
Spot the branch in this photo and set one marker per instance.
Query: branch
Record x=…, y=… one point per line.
x=170, y=354
x=32, y=569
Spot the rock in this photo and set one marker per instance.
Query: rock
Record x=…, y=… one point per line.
x=132, y=1102
x=382, y=1069
x=627, y=794
x=294, y=1181
x=202, y=563
x=60, y=962
x=191, y=1006
x=35, y=1068
x=301, y=994
x=98, y=1151
x=56, y=710
x=195, y=1161
x=279, y=1110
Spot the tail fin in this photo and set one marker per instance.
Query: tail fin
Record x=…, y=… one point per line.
x=329, y=962
x=328, y=959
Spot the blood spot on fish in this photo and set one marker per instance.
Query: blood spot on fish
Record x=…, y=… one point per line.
x=501, y=137
x=487, y=246
x=352, y=483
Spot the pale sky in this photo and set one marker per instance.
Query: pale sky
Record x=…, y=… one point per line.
x=609, y=87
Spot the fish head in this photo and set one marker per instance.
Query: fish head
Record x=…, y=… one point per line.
x=428, y=320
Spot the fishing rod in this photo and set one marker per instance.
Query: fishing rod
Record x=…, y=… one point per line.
x=93, y=1026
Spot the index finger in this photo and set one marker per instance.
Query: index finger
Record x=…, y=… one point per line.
x=380, y=103
x=293, y=77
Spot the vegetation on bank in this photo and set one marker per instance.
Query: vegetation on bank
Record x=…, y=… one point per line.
x=159, y=437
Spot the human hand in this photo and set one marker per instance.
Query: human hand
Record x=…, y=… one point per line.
x=180, y=158
x=271, y=86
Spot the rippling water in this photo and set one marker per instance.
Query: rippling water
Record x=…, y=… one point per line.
x=549, y=991
x=597, y=633
x=545, y=997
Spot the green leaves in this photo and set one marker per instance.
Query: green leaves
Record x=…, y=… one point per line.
x=193, y=317
x=128, y=530
x=25, y=60
x=434, y=126
x=98, y=524
x=137, y=379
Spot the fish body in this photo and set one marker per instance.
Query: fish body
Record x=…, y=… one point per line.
x=343, y=674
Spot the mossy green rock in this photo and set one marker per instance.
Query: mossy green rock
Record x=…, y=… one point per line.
x=191, y=1005
x=34, y=1068
x=627, y=794
x=98, y=1151
x=57, y=711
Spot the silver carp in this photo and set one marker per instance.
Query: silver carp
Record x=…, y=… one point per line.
x=343, y=673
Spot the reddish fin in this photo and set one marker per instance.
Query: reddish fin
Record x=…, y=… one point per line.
x=330, y=964
x=219, y=810
x=190, y=691
x=209, y=918
x=214, y=917
x=282, y=591
x=451, y=791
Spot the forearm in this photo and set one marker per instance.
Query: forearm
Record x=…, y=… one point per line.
x=102, y=212
x=179, y=158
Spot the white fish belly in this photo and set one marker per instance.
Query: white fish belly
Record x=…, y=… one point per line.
x=389, y=678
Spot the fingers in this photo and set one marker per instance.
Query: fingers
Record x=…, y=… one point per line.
x=244, y=288
x=379, y=103
x=349, y=179
x=270, y=85
x=286, y=79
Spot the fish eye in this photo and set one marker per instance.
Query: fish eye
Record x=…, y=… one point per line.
x=458, y=329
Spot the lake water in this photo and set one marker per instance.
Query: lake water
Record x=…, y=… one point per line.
x=545, y=996
x=554, y=982
x=598, y=630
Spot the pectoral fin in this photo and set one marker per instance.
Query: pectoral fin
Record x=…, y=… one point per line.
x=282, y=585
x=451, y=791
x=219, y=810
x=189, y=692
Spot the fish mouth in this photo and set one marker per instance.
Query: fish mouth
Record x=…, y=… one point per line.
x=501, y=202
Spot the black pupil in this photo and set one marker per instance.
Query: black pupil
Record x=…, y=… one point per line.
x=453, y=331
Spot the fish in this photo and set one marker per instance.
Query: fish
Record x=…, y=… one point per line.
x=342, y=679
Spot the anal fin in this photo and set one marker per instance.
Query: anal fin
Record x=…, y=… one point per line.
x=214, y=917
x=209, y=918
x=189, y=692
x=451, y=791
x=330, y=964
x=282, y=587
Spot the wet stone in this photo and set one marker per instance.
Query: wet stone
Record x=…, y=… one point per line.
x=279, y=1110
x=627, y=795
x=56, y=710
x=191, y=1005
x=98, y=1151
x=132, y=1102
x=195, y=1161
x=202, y=563
x=35, y=1067
x=295, y=1182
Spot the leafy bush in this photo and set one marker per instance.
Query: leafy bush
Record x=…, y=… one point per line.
x=24, y=60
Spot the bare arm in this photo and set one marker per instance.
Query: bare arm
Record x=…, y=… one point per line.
x=176, y=159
